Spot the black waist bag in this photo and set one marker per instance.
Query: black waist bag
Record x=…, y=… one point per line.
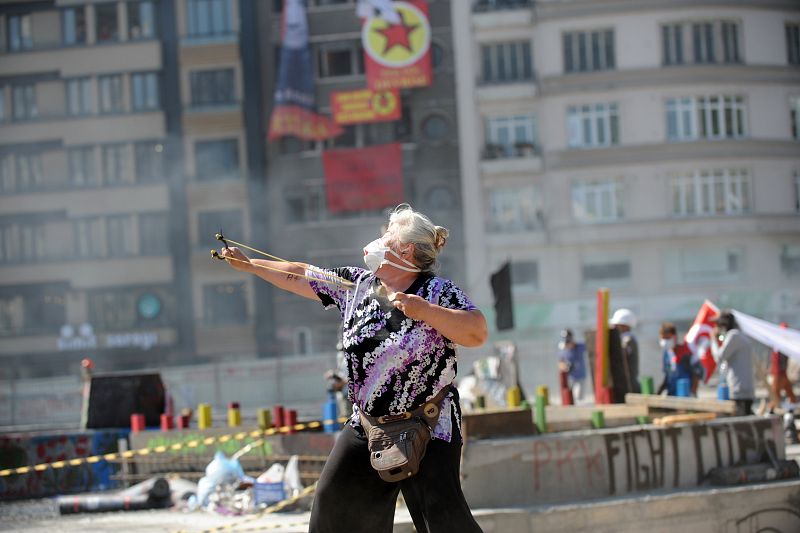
x=397, y=443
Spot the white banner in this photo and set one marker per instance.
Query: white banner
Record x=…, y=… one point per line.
x=784, y=340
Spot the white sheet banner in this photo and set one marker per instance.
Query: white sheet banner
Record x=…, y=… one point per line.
x=786, y=341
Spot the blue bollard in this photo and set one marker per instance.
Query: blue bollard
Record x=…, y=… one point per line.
x=329, y=415
x=683, y=388
x=722, y=392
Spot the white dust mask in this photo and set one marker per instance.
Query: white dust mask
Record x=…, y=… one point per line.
x=375, y=256
x=667, y=344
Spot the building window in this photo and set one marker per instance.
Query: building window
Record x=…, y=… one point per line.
x=605, y=272
x=514, y=209
x=702, y=265
x=73, y=25
x=19, y=33
x=209, y=223
x=82, y=166
x=797, y=191
x=340, y=59
x=672, y=44
x=589, y=51
x=435, y=128
x=6, y=177
x=45, y=311
x=711, y=192
x=2, y=104
x=440, y=198
x=116, y=167
x=149, y=158
x=706, y=117
x=794, y=106
x=212, y=87
x=120, y=236
x=106, y=26
x=216, y=159
x=79, y=96
x=302, y=341
x=22, y=242
x=305, y=202
x=507, y=62
x=153, y=234
x=790, y=259
x=141, y=20
x=127, y=308
x=510, y=137
x=24, y=102
x=110, y=88
x=89, y=238
x=598, y=201
x=525, y=275
x=793, y=43
x=591, y=126
x=225, y=304
x=209, y=18
x=144, y=91
x=30, y=175
x=701, y=42
x=404, y=128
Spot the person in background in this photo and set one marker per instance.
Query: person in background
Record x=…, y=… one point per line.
x=734, y=355
x=572, y=361
x=676, y=360
x=624, y=321
x=780, y=381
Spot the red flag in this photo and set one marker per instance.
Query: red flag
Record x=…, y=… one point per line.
x=363, y=178
x=699, y=337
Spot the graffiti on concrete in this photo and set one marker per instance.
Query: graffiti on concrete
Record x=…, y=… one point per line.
x=651, y=459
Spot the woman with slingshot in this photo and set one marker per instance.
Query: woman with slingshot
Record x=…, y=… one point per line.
x=401, y=324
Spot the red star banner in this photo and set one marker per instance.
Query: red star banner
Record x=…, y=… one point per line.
x=363, y=179
x=398, y=56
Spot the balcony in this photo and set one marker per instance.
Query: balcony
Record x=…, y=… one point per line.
x=520, y=158
x=490, y=15
x=87, y=129
x=502, y=91
x=83, y=60
x=484, y=6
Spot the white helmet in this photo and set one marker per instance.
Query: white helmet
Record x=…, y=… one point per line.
x=624, y=317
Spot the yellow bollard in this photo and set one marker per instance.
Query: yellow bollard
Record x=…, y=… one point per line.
x=513, y=397
x=234, y=415
x=204, y=416
x=544, y=392
x=264, y=418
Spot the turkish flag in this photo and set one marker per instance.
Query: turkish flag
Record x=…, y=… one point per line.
x=699, y=337
x=363, y=179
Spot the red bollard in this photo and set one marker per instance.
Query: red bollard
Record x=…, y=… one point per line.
x=566, y=393
x=291, y=420
x=184, y=420
x=277, y=416
x=166, y=422
x=137, y=422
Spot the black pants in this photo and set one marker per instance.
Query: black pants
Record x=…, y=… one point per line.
x=352, y=498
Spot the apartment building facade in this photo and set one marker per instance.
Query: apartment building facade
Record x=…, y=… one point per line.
x=648, y=147
x=132, y=131
x=300, y=223
x=123, y=149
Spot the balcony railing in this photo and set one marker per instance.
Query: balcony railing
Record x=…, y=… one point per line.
x=483, y=6
x=510, y=151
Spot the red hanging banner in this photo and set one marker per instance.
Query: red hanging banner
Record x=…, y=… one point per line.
x=363, y=179
x=398, y=55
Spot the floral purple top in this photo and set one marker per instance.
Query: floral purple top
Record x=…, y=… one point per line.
x=394, y=363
